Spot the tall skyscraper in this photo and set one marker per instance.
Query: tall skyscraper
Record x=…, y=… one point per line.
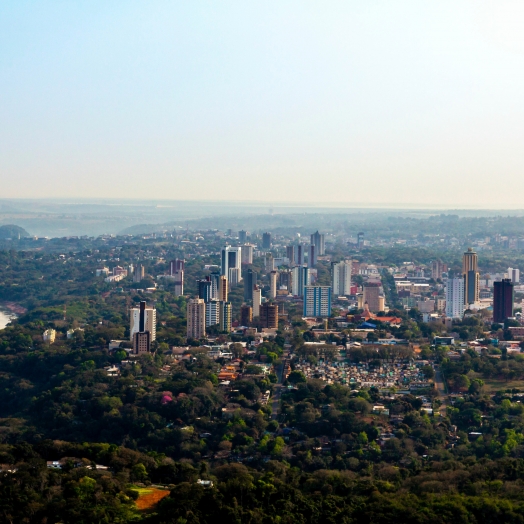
x=249, y=284
x=225, y=317
x=291, y=254
x=257, y=299
x=312, y=256
x=455, y=298
x=341, y=278
x=139, y=273
x=269, y=315
x=317, y=240
x=373, y=297
x=513, y=275
x=317, y=301
x=242, y=237
x=300, y=277
x=176, y=265
x=266, y=241
x=212, y=312
x=215, y=284
x=247, y=253
x=286, y=279
x=223, y=288
x=196, y=318
x=231, y=264
x=300, y=255
x=269, y=262
x=502, y=300
x=437, y=268
x=273, y=277
x=360, y=240
x=143, y=328
x=176, y=269
x=205, y=289
x=471, y=277
x=143, y=318
x=246, y=315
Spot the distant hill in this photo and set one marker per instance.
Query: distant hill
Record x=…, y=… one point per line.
x=12, y=231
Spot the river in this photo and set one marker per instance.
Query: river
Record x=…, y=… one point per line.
x=5, y=318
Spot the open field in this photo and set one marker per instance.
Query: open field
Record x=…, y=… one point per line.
x=149, y=497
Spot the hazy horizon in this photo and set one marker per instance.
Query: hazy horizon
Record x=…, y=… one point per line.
x=393, y=105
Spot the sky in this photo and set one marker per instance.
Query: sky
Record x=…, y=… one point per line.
x=364, y=103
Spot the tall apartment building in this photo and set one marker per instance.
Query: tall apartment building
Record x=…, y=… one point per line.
x=242, y=236
x=196, y=318
x=176, y=265
x=257, y=299
x=273, y=278
x=212, y=312
x=286, y=279
x=269, y=315
x=266, y=241
x=231, y=264
x=139, y=273
x=250, y=281
x=317, y=301
x=373, y=297
x=247, y=253
x=223, y=288
x=437, y=268
x=317, y=240
x=513, y=275
x=301, y=255
x=360, y=240
x=455, y=298
x=300, y=277
x=291, y=254
x=225, y=317
x=149, y=320
x=503, y=299
x=341, y=277
x=312, y=256
x=471, y=277
x=176, y=270
x=143, y=328
x=246, y=315
x=205, y=289
x=215, y=283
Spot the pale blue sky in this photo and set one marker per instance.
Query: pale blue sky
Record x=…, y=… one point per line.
x=360, y=102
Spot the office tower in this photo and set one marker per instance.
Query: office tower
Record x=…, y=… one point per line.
x=143, y=328
x=249, y=284
x=242, y=237
x=513, y=275
x=149, y=320
x=266, y=241
x=212, y=312
x=300, y=277
x=286, y=279
x=139, y=273
x=455, y=298
x=502, y=300
x=269, y=262
x=312, y=256
x=205, y=289
x=317, y=240
x=246, y=315
x=317, y=301
x=247, y=253
x=373, y=298
x=341, y=278
x=360, y=240
x=231, y=264
x=225, y=317
x=291, y=254
x=196, y=318
x=223, y=288
x=257, y=299
x=300, y=255
x=471, y=277
x=269, y=315
x=437, y=268
x=176, y=265
x=215, y=283
x=273, y=277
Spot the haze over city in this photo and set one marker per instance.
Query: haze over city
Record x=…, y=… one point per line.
x=373, y=104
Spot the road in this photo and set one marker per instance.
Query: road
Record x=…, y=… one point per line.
x=442, y=393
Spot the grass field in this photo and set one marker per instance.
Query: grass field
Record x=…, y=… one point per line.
x=149, y=497
x=492, y=385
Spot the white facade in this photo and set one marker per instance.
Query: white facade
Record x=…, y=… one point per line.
x=273, y=277
x=212, y=312
x=196, y=318
x=514, y=275
x=149, y=322
x=455, y=298
x=247, y=253
x=231, y=264
x=341, y=278
x=257, y=299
